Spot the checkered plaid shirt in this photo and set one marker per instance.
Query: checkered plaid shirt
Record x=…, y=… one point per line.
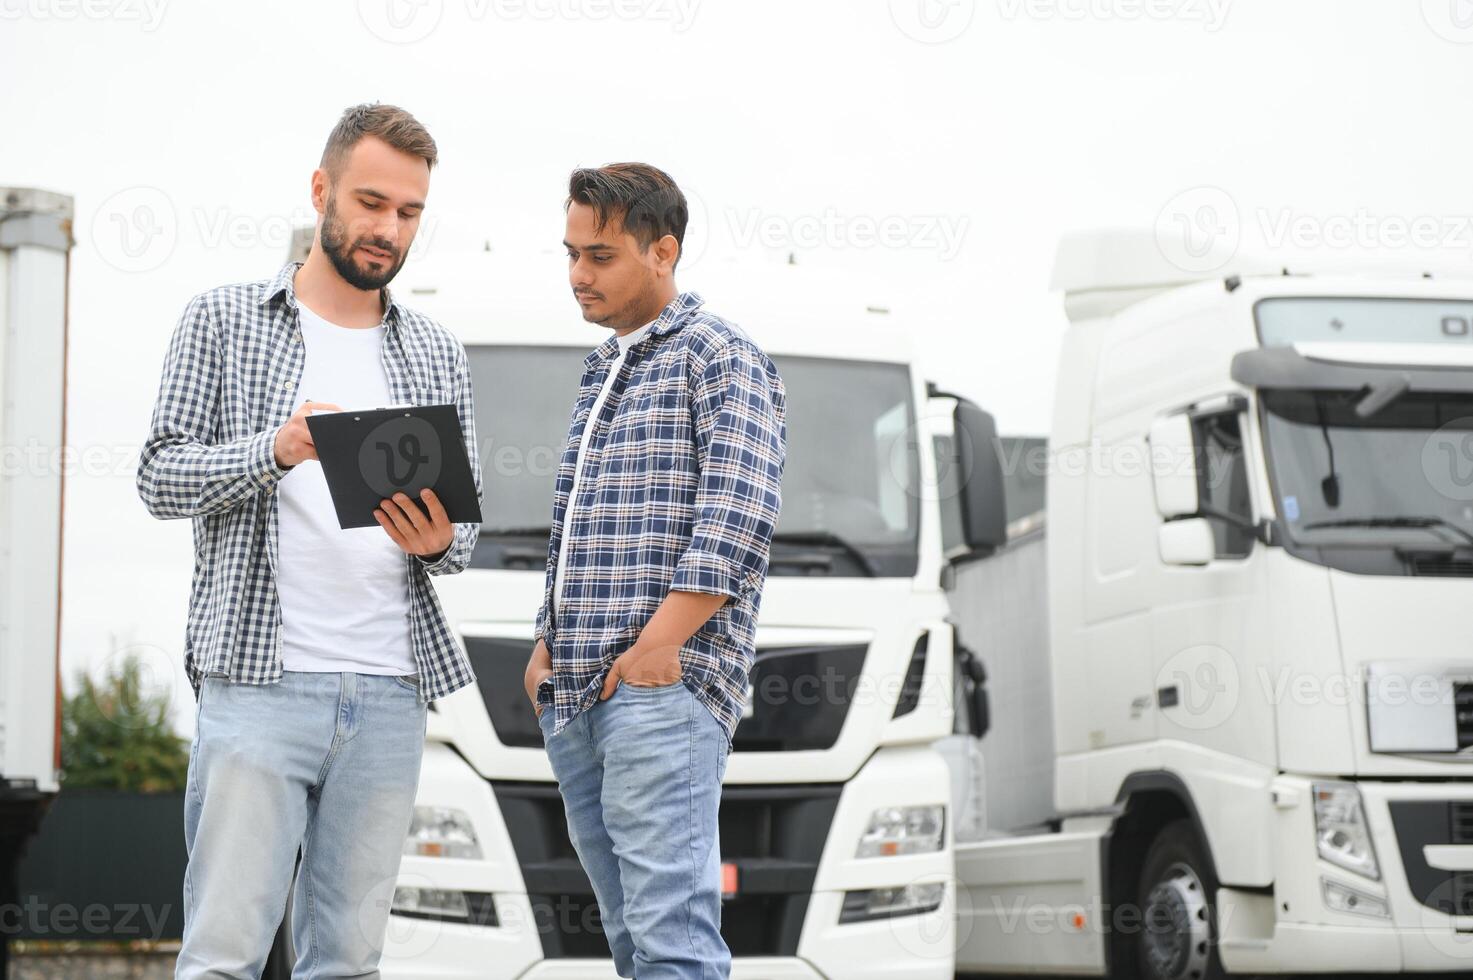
x=681, y=490
x=229, y=383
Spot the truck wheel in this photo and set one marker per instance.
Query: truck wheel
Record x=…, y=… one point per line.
x=1177, y=939
x=283, y=954
x=282, y=957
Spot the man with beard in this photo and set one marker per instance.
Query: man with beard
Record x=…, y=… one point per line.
x=313, y=650
x=663, y=513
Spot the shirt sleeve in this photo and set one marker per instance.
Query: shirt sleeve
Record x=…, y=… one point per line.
x=455, y=558
x=181, y=472
x=741, y=442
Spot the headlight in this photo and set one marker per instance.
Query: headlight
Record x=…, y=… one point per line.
x=903, y=830
x=442, y=905
x=430, y=903
x=1344, y=899
x=886, y=903
x=1341, y=831
x=438, y=831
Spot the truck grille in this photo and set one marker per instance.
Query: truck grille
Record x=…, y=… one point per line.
x=1462, y=823
x=1463, y=706
x=800, y=694
x=800, y=697
x=1439, y=565
x=773, y=834
x=1419, y=823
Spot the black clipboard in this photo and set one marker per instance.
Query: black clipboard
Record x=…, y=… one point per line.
x=370, y=455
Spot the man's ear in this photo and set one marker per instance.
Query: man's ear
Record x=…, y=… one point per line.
x=321, y=187
x=666, y=250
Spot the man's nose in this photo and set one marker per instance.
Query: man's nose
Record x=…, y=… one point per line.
x=580, y=273
x=388, y=228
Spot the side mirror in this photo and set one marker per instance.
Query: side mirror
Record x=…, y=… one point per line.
x=983, y=504
x=1174, y=466
x=1186, y=542
x=974, y=685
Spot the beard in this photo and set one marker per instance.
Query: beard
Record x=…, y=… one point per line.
x=635, y=312
x=340, y=251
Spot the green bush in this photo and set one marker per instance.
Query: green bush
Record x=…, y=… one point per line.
x=116, y=735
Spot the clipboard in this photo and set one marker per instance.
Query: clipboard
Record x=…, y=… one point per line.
x=370, y=455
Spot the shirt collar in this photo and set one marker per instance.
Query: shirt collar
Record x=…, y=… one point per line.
x=671, y=319
x=283, y=282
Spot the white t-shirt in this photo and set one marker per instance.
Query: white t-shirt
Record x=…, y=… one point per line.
x=344, y=593
x=625, y=342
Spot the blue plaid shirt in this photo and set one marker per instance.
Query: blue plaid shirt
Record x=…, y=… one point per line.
x=680, y=491
x=229, y=383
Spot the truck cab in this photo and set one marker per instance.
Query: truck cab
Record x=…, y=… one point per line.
x=1259, y=540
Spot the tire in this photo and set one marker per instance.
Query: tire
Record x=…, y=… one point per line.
x=283, y=956
x=279, y=963
x=1177, y=896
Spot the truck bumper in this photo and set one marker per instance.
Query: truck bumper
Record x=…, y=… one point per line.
x=1293, y=930
x=464, y=962
x=918, y=946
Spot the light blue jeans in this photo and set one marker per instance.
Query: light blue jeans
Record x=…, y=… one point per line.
x=325, y=762
x=640, y=776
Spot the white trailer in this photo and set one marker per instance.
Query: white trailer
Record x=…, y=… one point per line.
x=1254, y=704
x=35, y=244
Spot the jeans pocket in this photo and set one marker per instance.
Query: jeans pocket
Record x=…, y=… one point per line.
x=409, y=681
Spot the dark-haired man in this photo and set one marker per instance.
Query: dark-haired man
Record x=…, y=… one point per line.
x=663, y=513
x=313, y=650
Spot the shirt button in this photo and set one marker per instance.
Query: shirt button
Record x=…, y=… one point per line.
x=287, y=385
x=296, y=338
x=268, y=491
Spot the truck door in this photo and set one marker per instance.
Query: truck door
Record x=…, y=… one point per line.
x=1208, y=653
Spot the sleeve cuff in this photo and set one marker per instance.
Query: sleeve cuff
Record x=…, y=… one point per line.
x=700, y=571
x=435, y=564
x=264, y=469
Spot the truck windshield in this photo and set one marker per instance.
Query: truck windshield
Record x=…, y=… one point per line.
x=850, y=483
x=1399, y=481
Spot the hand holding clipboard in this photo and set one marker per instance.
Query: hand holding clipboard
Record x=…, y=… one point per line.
x=370, y=456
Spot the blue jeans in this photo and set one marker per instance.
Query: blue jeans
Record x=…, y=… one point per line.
x=640, y=776
x=325, y=762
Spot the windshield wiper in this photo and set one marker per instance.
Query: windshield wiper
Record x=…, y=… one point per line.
x=825, y=539
x=1422, y=522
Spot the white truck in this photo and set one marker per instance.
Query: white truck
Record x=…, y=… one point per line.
x=1246, y=743
x=1226, y=713
x=835, y=826
x=35, y=249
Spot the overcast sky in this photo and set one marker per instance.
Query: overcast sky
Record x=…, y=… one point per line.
x=934, y=149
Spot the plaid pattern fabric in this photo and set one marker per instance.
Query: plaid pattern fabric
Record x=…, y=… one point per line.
x=681, y=491
x=229, y=383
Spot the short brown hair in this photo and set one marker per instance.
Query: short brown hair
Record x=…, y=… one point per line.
x=647, y=201
x=389, y=123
